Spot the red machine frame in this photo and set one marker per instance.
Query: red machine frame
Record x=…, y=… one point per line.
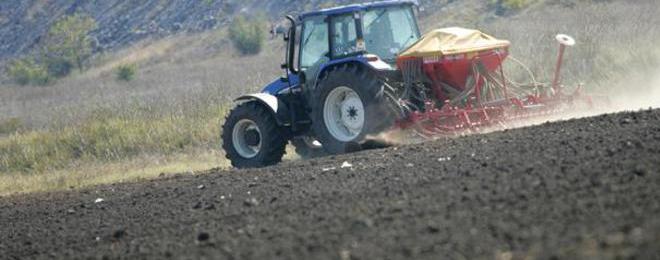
x=477, y=114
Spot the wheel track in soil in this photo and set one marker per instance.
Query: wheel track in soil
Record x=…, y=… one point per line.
x=582, y=188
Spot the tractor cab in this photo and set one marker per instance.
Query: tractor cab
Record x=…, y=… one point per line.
x=358, y=32
x=333, y=94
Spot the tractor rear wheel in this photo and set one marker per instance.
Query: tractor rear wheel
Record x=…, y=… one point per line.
x=252, y=138
x=350, y=104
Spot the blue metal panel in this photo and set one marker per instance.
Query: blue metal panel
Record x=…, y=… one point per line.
x=279, y=85
x=359, y=59
x=354, y=59
x=357, y=7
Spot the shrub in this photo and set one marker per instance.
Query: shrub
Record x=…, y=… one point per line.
x=26, y=71
x=516, y=4
x=11, y=125
x=503, y=5
x=126, y=72
x=247, y=35
x=59, y=67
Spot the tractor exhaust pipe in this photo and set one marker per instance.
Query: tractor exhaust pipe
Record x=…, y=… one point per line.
x=564, y=41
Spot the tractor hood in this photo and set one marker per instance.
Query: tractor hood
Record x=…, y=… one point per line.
x=451, y=41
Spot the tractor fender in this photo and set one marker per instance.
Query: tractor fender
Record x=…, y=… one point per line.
x=278, y=108
x=359, y=61
x=376, y=66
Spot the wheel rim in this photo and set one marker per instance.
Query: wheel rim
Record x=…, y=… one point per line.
x=243, y=138
x=343, y=114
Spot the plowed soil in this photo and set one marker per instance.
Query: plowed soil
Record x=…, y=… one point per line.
x=579, y=189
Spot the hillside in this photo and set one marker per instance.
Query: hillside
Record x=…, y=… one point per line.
x=120, y=23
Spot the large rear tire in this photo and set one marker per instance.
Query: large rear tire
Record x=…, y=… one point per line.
x=351, y=103
x=252, y=138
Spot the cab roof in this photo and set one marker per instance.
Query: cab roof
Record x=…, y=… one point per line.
x=357, y=7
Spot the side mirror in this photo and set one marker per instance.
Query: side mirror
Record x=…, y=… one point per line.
x=302, y=77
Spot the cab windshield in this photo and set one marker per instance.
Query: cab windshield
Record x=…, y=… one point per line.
x=387, y=31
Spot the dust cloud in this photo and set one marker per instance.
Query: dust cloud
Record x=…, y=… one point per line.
x=639, y=93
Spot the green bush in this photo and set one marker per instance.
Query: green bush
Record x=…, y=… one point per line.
x=247, y=35
x=126, y=72
x=10, y=126
x=517, y=4
x=514, y=4
x=59, y=67
x=27, y=72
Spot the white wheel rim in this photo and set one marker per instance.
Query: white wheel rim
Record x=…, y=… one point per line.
x=343, y=114
x=239, y=138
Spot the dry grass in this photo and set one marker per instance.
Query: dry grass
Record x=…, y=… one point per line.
x=139, y=168
x=173, y=108
x=105, y=137
x=95, y=173
x=90, y=128
x=614, y=39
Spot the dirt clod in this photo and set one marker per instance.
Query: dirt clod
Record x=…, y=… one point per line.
x=118, y=234
x=640, y=170
x=203, y=237
x=251, y=202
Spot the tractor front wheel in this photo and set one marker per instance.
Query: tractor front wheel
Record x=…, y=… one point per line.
x=252, y=138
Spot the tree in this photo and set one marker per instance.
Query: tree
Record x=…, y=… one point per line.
x=68, y=43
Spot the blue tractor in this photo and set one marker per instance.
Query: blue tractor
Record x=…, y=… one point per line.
x=340, y=65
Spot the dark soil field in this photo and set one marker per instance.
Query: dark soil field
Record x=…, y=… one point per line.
x=580, y=189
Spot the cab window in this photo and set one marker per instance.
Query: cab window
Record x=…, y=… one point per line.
x=314, y=41
x=389, y=30
x=344, y=35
